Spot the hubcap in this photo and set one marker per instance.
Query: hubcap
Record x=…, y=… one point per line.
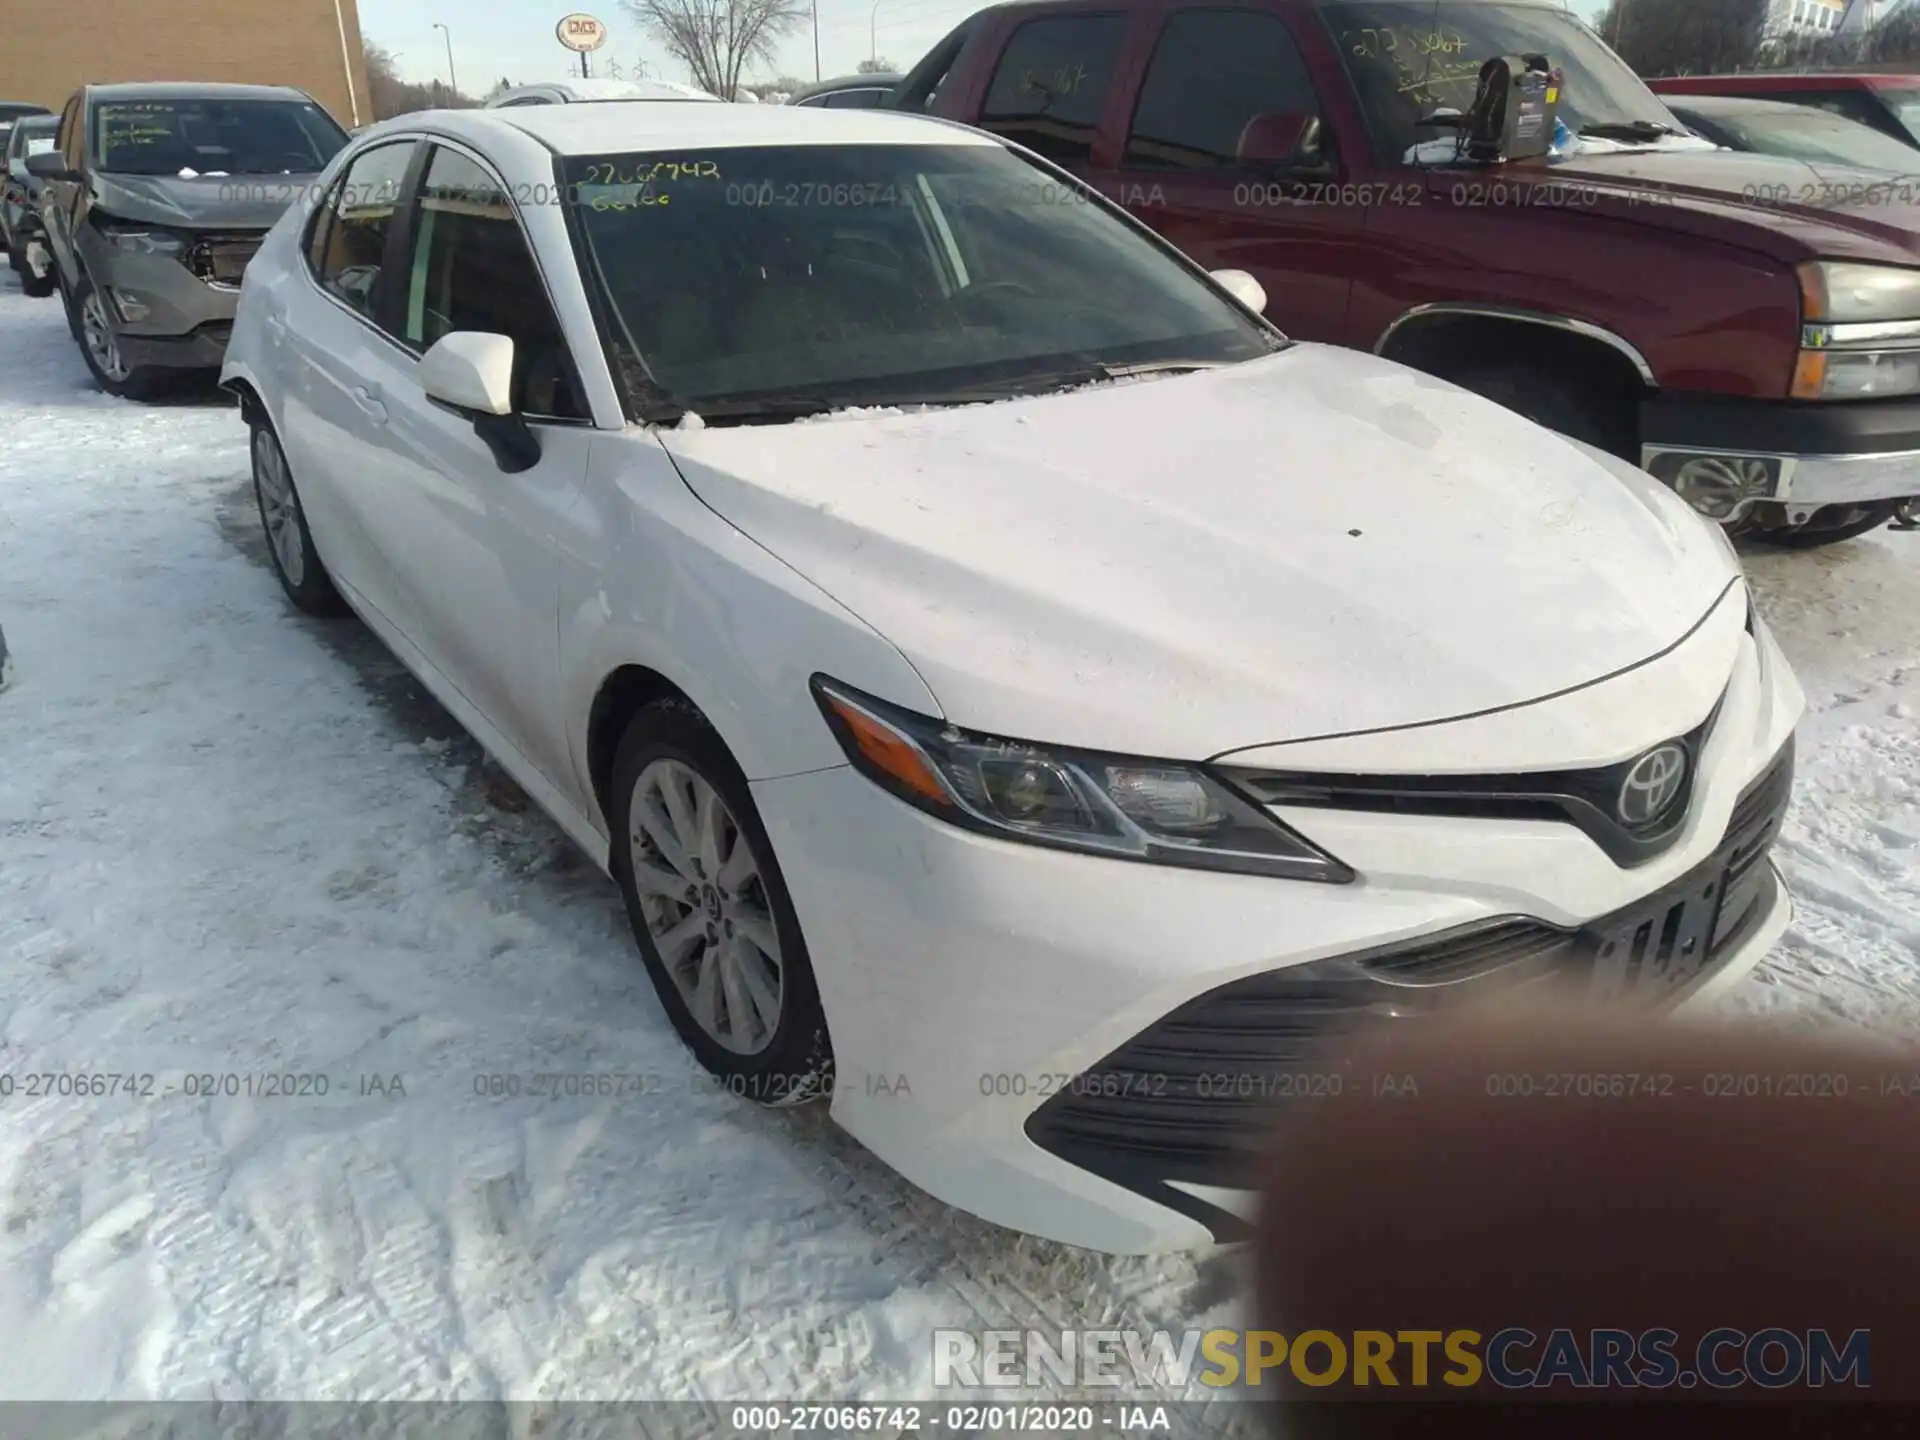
x=99, y=337
x=279, y=507
x=705, y=906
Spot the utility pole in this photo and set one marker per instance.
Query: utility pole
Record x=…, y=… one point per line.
x=453, y=82
x=816, y=42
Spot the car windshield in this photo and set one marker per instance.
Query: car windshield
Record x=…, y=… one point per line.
x=1808, y=134
x=214, y=137
x=1407, y=60
x=1905, y=104
x=812, y=277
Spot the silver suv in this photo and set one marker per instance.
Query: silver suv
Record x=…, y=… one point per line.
x=155, y=200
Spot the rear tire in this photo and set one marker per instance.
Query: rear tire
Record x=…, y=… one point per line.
x=100, y=347
x=284, y=520
x=710, y=910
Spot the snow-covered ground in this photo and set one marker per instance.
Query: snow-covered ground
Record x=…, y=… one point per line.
x=234, y=842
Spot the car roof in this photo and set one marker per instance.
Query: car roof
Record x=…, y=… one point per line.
x=618, y=126
x=884, y=80
x=36, y=122
x=580, y=90
x=193, y=90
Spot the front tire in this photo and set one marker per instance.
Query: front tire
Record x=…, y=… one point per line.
x=289, y=543
x=1828, y=525
x=1564, y=403
x=34, y=289
x=710, y=910
x=100, y=347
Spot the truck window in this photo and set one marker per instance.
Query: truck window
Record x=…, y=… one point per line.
x=1051, y=82
x=1213, y=71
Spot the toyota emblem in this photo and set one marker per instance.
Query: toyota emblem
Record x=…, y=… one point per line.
x=1652, y=785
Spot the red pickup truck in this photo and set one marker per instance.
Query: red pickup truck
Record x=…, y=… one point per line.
x=1745, y=327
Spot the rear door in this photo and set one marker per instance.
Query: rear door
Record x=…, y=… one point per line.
x=1213, y=68
x=328, y=326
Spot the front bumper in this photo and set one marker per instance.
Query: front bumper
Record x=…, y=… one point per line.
x=164, y=315
x=978, y=991
x=1796, y=453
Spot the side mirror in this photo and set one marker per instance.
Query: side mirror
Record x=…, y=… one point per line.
x=49, y=165
x=470, y=373
x=1243, y=287
x=1282, y=141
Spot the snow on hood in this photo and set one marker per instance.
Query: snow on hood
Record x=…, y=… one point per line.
x=201, y=202
x=1310, y=544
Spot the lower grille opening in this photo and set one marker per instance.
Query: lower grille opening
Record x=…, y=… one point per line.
x=1190, y=1098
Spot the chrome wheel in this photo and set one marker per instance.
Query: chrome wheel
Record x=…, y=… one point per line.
x=96, y=333
x=705, y=906
x=279, y=508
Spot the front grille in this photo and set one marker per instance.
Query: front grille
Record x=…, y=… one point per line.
x=222, y=259
x=1185, y=1100
x=1584, y=798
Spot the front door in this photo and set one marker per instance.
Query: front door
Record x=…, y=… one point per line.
x=479, y=543
x=1294, y=229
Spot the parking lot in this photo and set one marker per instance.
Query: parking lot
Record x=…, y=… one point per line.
x=248, y=867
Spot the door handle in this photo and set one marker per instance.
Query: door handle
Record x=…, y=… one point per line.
x=370, y=403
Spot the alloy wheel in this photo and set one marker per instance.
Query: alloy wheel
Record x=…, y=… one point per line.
x=705, y=906
x=279, y=508
x=97, y=334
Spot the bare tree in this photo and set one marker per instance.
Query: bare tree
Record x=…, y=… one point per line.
x=1684, y=37
x=717, y=40
x=879, y=65
x=393, y=96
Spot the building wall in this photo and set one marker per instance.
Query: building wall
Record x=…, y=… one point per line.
x=1804, y=17
x=50, y=48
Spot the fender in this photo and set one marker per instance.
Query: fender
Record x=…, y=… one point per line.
x=1562, y=323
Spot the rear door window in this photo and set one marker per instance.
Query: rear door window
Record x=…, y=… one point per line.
x=1213, y=71
x=1051, y=83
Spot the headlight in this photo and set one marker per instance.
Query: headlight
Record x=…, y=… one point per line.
x=1120, y=806
x=145, y=241
x=1860, y=333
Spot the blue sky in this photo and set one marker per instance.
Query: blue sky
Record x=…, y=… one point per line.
x=514, y=38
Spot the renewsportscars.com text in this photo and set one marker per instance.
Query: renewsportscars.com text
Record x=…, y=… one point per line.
x=1508, y=1359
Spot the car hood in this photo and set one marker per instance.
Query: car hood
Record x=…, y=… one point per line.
x=1315, y=543
x=207, y=202
x=1789, y=209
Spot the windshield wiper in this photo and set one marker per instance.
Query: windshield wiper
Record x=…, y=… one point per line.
x=748, y=410
x=769, y=409
x=1628, y=130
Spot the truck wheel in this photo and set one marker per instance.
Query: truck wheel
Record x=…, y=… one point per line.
x=100, y=348
x=1561, y=402
x=1828, y=525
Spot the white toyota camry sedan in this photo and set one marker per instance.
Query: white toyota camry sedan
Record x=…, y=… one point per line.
x=1020, y=694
